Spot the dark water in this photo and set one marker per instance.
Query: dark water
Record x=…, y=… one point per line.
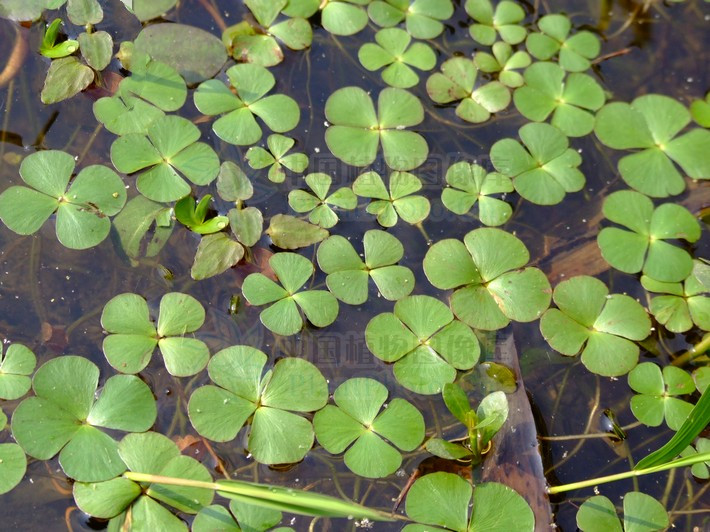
x=51, y=297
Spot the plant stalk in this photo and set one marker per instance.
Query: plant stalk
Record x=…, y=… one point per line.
x=694, y=352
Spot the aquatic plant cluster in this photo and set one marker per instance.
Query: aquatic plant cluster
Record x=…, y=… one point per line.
x=538, y=65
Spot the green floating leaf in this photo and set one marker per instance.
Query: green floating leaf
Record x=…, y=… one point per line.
x=195, y=53
x=64, y=417
x=357, y=129
x=66, y=77
x=544, y=168
x=129, y=504
x=443, y=499
x=96, y=49
x=503, y=21
x=248, y=45
x=238, y=125
x=657, y=393
x=651, y=124
x=344, y=17
x=215, y=254
x=150, y=80
x=82, y=209
x=644, y=246
x=699, y=470
x=394, y=52
x=272, y=401
x=603, y=327
x=399, y=202
x=348, y=275
x=233, y=184
x=319, y=204
x=193, y=215
x=571, y=101
x=504, y=62
x=283, y=316
x=575, y=52
x=457, y=82
x=276, y=158
x=84, y=12
x=240, y=514
x=15, y=369
x=133, y=337
x=492, y=287
x=642, y=513
x=700, y=111
x=133, y=224
x=424, y=341
x=165, y=156
x=423, y=18
x=246, y=224
x=50, y=48
x=288, y=232
x=368, y=437
x=13, y=464
x=469, y=184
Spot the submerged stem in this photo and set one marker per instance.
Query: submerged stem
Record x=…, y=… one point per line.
x=694, y=352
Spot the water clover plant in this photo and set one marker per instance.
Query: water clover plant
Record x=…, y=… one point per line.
x=65, y=416
x=276, y=158
x=643, y=245
x=701, y=470
x=441, y=501
x=423, y=18
x=575, y=52
x=246, y=222
x=370, y=433
x=642, y=513
x=15, y=369
x=394, y=52
x=320, y=204
x=571, y=101
x=289, y=232
x=469, y=184
x=237, y=124
x=283, y=316
x=13, y=464
x=96, y=193
x=603, y=327
x=503, y=20
x=239, y=516
x=503, y=61
x=272, y=401
x=457, y=82
x=168, y=152
x=682, y=304
x=348, y=275
x=651, y=124
x=295, y=32
x=343, y=17
x=491, y=285
x=700, y=111
x=543, y=168
x=357, y=129
x=132, y=336
x=399, y=201
x=657, y=394
x=424, y=341
x=142, y=506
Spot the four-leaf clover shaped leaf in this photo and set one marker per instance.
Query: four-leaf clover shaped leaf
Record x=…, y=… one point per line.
x=96, y=193
x=642, y=513
x=251, y=83
x=320, y=204
x=492, y=287
x=457, y=82
x=133, y=337
x=504, y=20
x=357, y=129
x=271, y=400
x=423, y=18
x=283, y=316
x=657, y=394
x=444, y=500
x=348, y=275
x=571, y=101
x=130, y=505
x=15, y=369
x=604, y=327
x=371, y=437
x=65, y=416
x=503, y=61
x=393, y=52
x=544, y=168
x=575, y=52
x=469, y=184
x=651, y=124
x=400, y=201
x=642, y=246
x=682, y=304
x=169, y=151
x=276, y=158
x=424, y=341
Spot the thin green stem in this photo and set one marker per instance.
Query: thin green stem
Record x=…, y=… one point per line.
x=694, y=352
